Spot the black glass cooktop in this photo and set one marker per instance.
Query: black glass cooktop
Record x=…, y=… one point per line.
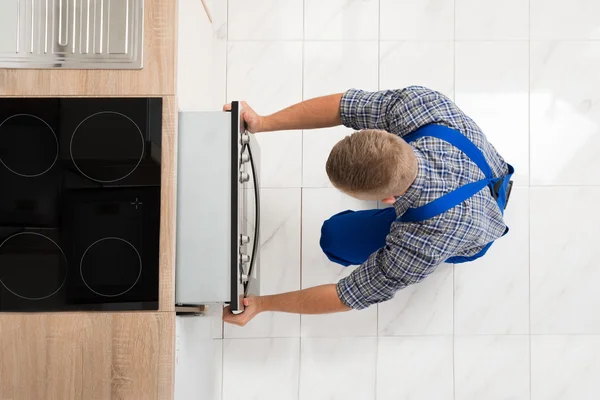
x=79, y=203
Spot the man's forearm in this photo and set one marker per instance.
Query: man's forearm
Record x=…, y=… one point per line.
x=320, y=112
x=316, y=300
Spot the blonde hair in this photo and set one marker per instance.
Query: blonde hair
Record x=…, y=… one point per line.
x=372, y=162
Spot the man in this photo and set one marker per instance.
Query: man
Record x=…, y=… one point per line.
x=415, y=150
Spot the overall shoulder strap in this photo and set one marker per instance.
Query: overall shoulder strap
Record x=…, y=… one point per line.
x=456, y=139
x=457, y=196
x=444, y=203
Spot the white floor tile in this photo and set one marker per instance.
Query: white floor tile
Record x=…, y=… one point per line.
x=198, y=360
x=415, y=368
x=201, y=73
x=539, y=105
x=338, y=369
x=564, y=260
x=406, y=63
x=492, y=87
x=334, y=67
x=421, y=309
x=265, y=19
x=269, y=77
x=279, y=263
x=341, y=20
x=417, y=19
x=347, y=324
x=216, y=383
x=492, y=20
x=565, y=113
x=319, y=205
x=491, y=367
x=280, y=159
x=214, y=313
x=565, y=367
x=261, y=369
x=317, y=145
x=492, y=293
x=561, y=20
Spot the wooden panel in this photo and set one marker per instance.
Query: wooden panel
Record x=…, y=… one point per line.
x=87, y=356
x=168, y=205
x=22, y=357
x=156, y=78
x=166, y=357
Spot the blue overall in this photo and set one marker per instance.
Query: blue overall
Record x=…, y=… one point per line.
x=350, y=237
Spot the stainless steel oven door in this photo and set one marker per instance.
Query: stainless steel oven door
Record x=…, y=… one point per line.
x=245, y=272
x=218, y=210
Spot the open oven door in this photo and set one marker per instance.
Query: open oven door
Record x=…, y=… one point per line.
x=218, y=210
x=245, y=272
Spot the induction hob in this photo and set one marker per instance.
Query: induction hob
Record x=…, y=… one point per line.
x=79, y=203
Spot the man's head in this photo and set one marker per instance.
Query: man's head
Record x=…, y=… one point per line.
x=372, y=165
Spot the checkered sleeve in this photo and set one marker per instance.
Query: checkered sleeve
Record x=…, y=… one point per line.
x=399, y=111
x=402, y=262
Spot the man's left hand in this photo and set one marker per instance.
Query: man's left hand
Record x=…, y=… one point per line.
x=252, y=307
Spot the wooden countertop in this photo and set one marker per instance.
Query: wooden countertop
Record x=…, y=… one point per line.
x=128, y=355
x=87, y=356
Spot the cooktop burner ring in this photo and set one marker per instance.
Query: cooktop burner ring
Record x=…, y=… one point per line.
x=102, y=240
x=140, y=158
x=64, y=280
x=55, y=139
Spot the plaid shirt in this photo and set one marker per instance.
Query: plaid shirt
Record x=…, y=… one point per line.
x=415, y=249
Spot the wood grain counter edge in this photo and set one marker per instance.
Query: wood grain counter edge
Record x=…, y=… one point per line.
x=87, y=356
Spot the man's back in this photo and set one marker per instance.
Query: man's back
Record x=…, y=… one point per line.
x=477, y=221
x=443, y=168
x=415, y=249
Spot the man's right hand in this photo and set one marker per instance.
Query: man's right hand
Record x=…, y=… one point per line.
x=254, y=122
x=320, y=112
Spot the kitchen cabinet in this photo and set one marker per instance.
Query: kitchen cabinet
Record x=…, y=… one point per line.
x=101, y=355
x=87, y=356
x=157, y=78
x=128, y=355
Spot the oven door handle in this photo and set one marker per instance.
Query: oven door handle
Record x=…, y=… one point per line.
x=256, y=238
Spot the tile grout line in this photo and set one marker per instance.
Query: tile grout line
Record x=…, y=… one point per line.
x=529, y=190
x=453, y=332
x=226, y=50
x=302, y=91
x=562, y=186
x=226, y=87
x=300, y=316
x=454, y=265
x=299, y=366
x=389, y=41
x=301, y=197
x=433, y=335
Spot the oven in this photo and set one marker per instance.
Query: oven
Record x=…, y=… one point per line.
x=80, y=204
x=218, y=210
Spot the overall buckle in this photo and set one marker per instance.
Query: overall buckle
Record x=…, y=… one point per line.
x=496, y=190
